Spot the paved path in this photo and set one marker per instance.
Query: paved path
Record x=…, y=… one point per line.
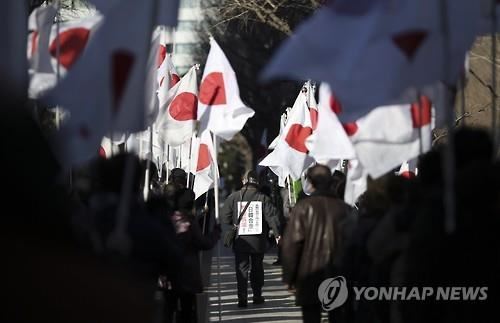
x=279, y=305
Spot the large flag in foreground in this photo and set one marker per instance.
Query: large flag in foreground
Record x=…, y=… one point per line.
x=105, y=90
x=220, y=108
x=379, y=57
x=13, y=31
x=56, y=50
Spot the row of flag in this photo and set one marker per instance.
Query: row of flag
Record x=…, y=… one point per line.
x=385, y=67
x=374, y=144
x=113, y=76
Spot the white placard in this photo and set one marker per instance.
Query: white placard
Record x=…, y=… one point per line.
x=251, y=221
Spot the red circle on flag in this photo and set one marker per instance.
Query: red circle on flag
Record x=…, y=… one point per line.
x=314, y=118
x=296, y=137
x=72, y=42
x=407, y=174
x=174, y=79
x=203, y=158
x=350, y=128
x=212, y=91
x=335, y=105
x=102, y=152
x=184, y=107
x=162, y=53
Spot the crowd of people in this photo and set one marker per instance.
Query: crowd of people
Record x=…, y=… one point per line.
x=396, y=235
x=89, y=248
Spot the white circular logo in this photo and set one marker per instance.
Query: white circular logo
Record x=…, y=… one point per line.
x=332, y=292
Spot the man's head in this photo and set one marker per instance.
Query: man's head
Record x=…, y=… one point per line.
x=178, y=177
x=320, y=177
x=250, y=177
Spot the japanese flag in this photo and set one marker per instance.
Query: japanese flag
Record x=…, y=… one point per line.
x=67, y=46
x=204, y=166
x=177, y=118
x=290, y=157
x=105, y=90
x=220, y=108
x=387, y=52
x=329, y=141
x=390, y=135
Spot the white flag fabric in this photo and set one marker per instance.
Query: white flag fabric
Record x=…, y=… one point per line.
x=329, y=141
x=73, y=38
x=40, y=25
x=108, y=148
x=386, y=52
x=204, y=155
x=177, y=118
x=151, y=84
x=355, y=182
x=390, y=135
x=139, y=143
x=220, y=108
x=290, y=157
x=273, y=143
x=65, y=48
x=105, y=90
x=166, y=68
x=13, y=31
x=167, y=73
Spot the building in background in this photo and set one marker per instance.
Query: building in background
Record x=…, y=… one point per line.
x=186, y=35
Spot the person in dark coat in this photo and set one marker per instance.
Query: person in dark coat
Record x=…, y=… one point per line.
x=251, y=241
x=312, y=242
x=187, y=281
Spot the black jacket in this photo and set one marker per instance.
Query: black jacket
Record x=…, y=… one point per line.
x=251, y=243
x=187, y=278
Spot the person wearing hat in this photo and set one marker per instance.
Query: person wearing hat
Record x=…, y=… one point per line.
x=252, y=214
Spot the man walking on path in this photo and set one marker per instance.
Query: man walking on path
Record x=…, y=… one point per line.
x=254, y=214
x=312, y=242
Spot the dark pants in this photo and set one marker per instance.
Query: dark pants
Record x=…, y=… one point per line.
x=180, y=307
x=243, y=263
x=312, y=313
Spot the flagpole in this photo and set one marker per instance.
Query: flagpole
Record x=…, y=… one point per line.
x=448, y=162
x=167, y=164
x=289, y=185
x=145, y=190
x=216, y=200
x=216, y=180
x=189, y=163
x=58, y=55
x=420, y=129
x=494, y=129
